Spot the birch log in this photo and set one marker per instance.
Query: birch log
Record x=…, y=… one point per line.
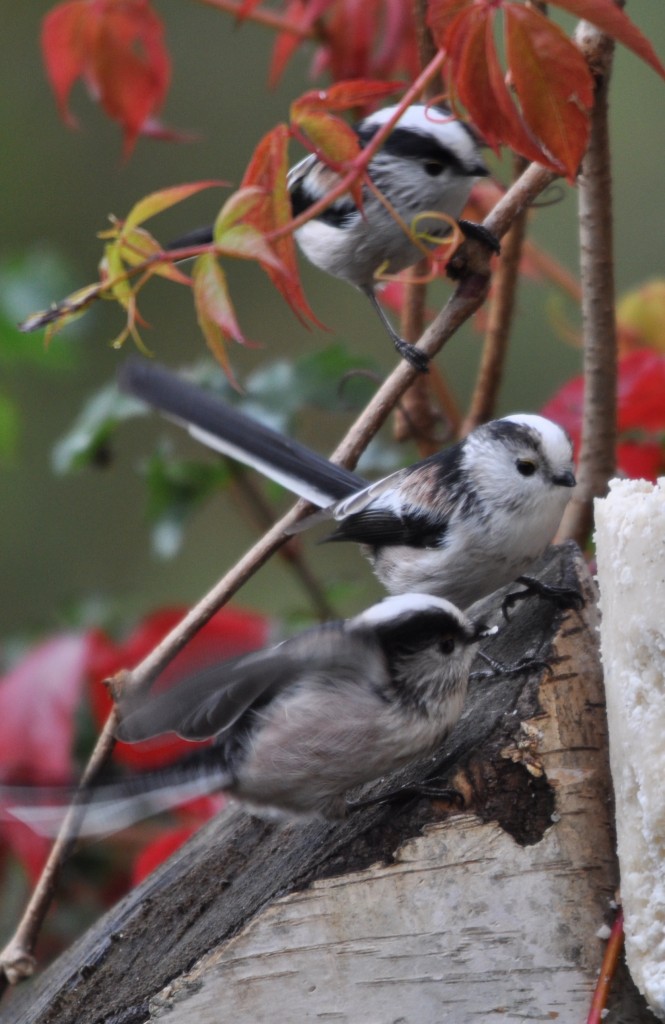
x=630, y=536
x=405, y=913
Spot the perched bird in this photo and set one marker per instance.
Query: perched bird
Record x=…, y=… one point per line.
x=298, y=725
x=459, y=524
x=428, y=163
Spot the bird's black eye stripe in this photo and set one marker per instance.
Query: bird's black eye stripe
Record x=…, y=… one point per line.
x=412, y=145
x=526, y=467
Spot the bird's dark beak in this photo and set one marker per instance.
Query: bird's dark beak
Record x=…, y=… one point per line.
x=482, y=630
x=566, y=479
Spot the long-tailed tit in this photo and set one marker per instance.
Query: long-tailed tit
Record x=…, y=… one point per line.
x=299, y=725
x=459, y=524
x=428, y=163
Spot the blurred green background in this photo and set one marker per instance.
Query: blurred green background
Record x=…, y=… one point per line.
x=73, y=545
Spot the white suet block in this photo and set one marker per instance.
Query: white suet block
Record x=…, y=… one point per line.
x=630, y=540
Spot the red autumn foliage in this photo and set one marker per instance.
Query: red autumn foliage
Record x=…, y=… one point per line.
x=39, y=698
x=232, y=631
x=544, y=114
x=116, y=47
x=640, y=417
x=355, y=38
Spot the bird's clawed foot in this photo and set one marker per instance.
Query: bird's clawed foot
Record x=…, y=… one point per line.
x=470, y=229
x=562, y=597
x=497, y=668
x=414, y=356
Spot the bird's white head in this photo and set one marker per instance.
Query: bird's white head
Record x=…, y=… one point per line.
x=431, y=135
x=522, y=465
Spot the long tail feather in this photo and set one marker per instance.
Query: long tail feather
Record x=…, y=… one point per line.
x=110, y=808
x=223, y=428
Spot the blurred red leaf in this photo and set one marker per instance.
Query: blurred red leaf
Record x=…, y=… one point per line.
x=344, y=96
x=39, y=698
x=392, y=295
x=246, y=9
x=640, y=414
x=368, y=39
x=359, y=39
x=641, y=391
x=475, y=75
x=611, y=19
x=267, y=170
x=566, y=408
x=553, y=84
x=117, y=49
x=300, y=13
x=549, y=74
x=641, y=460
x=232, y=631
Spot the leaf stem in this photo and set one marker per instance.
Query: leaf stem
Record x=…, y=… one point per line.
x=263, y=16
x=260, y=510
x=607, y=971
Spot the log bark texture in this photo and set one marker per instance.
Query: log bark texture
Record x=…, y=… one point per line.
x=405, y=913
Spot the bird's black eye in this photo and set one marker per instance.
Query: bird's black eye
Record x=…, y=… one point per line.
x=526, y=467
x=433, y=168
x=447, y=645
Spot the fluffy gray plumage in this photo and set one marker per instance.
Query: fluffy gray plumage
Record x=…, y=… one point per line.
x=298, y=725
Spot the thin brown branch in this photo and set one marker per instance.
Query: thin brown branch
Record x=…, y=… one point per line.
x=16, y=959
x=263, y=16
x=598, y=447
x=500, y=318
x=291, y=553
x=417, y=416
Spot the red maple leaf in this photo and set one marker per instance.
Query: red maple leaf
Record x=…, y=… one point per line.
x=116, y=48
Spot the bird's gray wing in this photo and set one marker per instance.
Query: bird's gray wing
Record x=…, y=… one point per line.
x=205, y=704
x=210, y=702
x=411, y=506
x=378, y=495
